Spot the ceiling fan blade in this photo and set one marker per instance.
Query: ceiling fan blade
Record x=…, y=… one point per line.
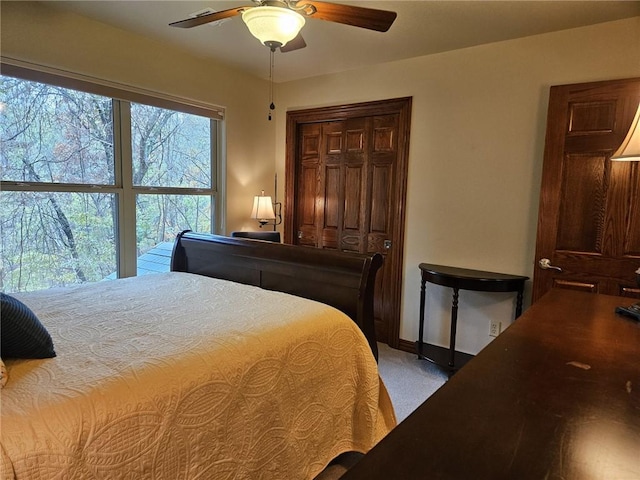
x=296, y=44
x=370, y=18
x=207, y=18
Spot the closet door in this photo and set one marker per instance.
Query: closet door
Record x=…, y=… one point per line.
x=346, y=190
x=308, y=201
x=331, y=198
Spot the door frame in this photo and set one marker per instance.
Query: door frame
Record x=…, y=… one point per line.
x=400, y=106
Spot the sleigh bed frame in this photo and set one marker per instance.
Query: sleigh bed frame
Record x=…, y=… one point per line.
x=343, y=280
x=199, y=371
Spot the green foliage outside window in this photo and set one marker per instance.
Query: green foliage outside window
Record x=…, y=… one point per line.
x=63, y=186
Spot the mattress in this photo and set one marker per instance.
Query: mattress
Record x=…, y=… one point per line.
x=177, y=375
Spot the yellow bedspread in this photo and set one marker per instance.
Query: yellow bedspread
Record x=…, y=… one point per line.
x=176, y=376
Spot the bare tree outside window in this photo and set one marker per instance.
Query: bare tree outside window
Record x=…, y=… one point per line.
x=60, y=198
x=170, y=150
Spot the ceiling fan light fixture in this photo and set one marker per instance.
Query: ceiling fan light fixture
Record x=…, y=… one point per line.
x=273, y=26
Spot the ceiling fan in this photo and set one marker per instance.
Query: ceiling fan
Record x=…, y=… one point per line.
x=277, y=23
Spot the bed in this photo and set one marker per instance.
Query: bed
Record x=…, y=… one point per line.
x=248, y=360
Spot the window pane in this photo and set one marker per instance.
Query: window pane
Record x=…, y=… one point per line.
x=52, y=134
x=159, y=218
x=56, y=239
x=170, y=149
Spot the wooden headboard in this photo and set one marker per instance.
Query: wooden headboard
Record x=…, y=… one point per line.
x=343, y=280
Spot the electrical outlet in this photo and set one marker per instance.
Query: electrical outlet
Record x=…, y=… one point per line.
x=495, y=328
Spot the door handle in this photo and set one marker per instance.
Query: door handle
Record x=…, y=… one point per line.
x=545, y=264
x=387, y=244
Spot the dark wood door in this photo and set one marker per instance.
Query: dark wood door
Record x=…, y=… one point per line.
x=348, y=168
x=589, y=214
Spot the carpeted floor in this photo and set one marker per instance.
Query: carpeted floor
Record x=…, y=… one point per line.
x=409, y=382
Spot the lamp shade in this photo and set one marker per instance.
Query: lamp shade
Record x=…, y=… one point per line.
x=273, y=25
x=630, y=147
x=262, y=208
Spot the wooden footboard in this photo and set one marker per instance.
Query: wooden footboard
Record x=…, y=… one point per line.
x=343, y=280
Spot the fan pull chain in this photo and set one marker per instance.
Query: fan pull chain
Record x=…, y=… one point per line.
x=271, y=105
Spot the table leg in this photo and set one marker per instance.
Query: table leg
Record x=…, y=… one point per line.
x=454, y=324
x=519, y=302
x=421, y=327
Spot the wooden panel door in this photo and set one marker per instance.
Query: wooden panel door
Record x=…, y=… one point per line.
x=382, y=176
x=344, y=192
x=589, y=215
x=354, y=206
x=349, y=191
x=308, y=173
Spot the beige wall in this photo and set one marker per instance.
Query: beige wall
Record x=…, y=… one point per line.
x=37, y=33
x=476, y=144
x=477, y=139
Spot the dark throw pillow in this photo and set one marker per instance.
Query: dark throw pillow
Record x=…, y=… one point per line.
x=21, y=333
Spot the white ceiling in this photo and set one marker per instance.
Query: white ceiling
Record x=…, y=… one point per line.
x=421, y=28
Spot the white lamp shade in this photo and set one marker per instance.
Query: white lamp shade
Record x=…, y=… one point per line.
x=273, y=24
x=630, y=148
x=262, y=208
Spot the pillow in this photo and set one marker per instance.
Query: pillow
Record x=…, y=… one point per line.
x=21, y=333
x=4, y=376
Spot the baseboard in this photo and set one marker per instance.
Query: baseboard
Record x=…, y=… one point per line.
x=407, y=346
x=441, y=354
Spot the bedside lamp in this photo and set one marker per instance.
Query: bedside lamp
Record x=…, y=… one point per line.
x=263, y=209
x=630, y=148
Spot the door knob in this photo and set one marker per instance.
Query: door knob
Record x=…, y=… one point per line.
x=545, y=264
x=387, y=244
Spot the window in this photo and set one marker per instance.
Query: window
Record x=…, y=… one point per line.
x=94, y=187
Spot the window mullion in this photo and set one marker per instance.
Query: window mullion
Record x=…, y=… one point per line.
x=127, y=251
x=218, y=169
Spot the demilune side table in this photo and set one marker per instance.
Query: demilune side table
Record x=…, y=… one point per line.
x=457, y=279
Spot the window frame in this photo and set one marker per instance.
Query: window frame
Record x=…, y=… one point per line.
x=121, y=98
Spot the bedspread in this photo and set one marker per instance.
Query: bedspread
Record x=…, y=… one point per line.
x=176, y=376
